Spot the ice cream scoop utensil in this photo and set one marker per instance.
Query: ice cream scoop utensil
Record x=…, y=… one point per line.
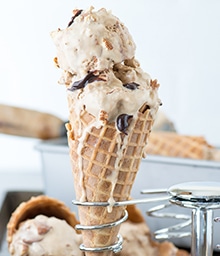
x=202, y=198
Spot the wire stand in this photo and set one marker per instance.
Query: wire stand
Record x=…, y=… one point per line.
x=201, y=197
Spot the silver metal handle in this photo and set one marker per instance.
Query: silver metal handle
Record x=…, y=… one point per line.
x=217, y=219
x=202, y=232
x=202, y=198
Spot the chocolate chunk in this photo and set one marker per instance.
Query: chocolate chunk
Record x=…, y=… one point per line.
x=86, y=80
x=77, y=13
x=131, y=86
x=123, y=122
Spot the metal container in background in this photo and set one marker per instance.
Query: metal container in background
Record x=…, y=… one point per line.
x=155, y=172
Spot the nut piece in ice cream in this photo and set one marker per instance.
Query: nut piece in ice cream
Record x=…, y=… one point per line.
x=112, y=105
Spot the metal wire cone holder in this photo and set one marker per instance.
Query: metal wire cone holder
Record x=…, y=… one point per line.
x=201, y=197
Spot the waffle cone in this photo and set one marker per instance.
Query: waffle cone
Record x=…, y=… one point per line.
x=105, y=163
x=176, y=145
x=35, y=206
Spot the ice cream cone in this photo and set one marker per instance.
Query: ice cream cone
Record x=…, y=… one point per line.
x=105, y=163
x=43, y=205
x=175, y=145
x=112, y=105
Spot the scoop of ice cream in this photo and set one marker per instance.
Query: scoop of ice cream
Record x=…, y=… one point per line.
x=45, y=236
x=96, y=53
x=138, y=242
x=92, y=41
x=122, y=90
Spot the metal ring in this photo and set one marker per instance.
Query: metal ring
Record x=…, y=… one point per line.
x=123, y=203
x=169, y=232
x=117, y=247
x=107, y=225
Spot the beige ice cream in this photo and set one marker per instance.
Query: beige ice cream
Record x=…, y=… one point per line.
x=99, y=42
x=92, y=41
x=45, y=236
x=138, y=242
x=43, y=226
x=112, y=105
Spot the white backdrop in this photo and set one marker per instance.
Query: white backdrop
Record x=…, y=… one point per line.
x=178, y=42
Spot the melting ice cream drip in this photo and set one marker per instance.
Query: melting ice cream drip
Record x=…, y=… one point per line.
x=121, y=147
x=81, y=144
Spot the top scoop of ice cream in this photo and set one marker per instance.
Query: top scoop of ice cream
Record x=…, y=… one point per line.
x=96, y=53
x=92, y=41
